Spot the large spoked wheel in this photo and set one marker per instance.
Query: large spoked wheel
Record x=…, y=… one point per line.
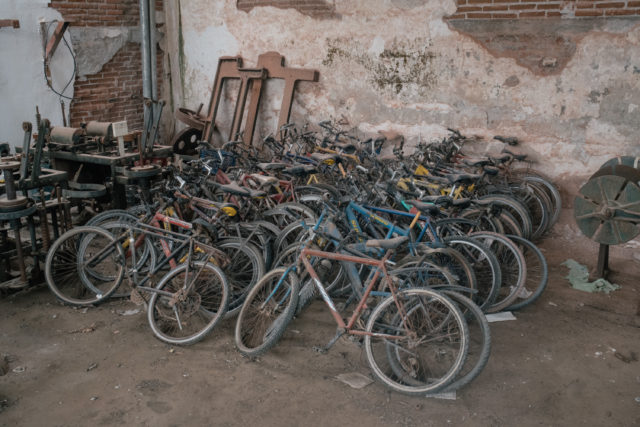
x=187, y=305
x=65, y=268
x=267, y=311
x=418, y=342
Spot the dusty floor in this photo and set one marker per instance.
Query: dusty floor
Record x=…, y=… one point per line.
x=555, y=365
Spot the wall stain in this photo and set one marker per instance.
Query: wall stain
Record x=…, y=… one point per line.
x=404, y=63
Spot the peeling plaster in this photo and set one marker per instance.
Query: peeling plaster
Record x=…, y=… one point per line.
x=433, y=77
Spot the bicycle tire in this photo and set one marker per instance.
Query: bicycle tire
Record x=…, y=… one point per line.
x=417, y=375
x=537, y=274
x=449, y=258
x=248, y=258
x=513, y=267
x=479, y=348
x=552, y=192
x=62, y=266
x=485, y=266
x=266, y=312
x=516, y=208
x=286, y=213
x=203, y=306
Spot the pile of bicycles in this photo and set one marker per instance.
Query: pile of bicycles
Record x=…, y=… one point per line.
x=407, y=251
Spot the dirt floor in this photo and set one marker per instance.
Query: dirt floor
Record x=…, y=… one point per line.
x=571, y=359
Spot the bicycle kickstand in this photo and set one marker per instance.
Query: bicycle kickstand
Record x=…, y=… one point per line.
x=323, y=350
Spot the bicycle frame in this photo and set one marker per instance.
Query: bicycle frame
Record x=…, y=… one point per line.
x=380, y=270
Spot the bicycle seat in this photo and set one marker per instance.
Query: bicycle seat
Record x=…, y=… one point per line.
x=258, y=194
x=234, y=188
x=325, y=158
x=519, y=157
x=386, y=243
x=462, y=178
x=272, y=166
x=476, y=162
x=264, y=180
x=501, y=158
x=425, y=208
x=511, y=140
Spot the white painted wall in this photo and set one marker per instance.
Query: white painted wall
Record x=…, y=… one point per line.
x=22, y=80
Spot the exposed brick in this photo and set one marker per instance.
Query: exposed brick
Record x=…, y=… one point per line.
x=478, y=15
x=504, y=15
x=589, y=12
x=548, y=6
x=494, y=8
x=610, y=5
x=469, y=9
x=527, y=6
x=620, y=12
x=532, y=14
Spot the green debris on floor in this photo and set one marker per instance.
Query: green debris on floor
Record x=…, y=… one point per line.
x=579, y=278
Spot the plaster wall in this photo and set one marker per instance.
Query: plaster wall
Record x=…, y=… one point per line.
x=398, y=65
x=22, y=80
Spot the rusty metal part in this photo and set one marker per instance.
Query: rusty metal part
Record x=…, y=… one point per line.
x=103, y=129
x=24, y=160
x=52, y=45
x=84, y=191
x=191, y=118
x=251, y=80
x=9, y=181
x=15, y=23
x=44, y=222
x=248, y=77
x=65, y=135
x=273, y=62
x=144, y=171
x=185, y=141
x=11, y=204
x=228, y=68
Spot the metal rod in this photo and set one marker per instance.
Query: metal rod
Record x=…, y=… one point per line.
x=15, y=225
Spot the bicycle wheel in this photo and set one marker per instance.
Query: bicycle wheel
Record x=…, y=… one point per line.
x=187, y=305
x=416, y=343
x=537, y=274
x=64, y=266
x=485, y=266
x=516, y=208
x=291, y=234
x=513, y=267
x=550, y=189
x=448, y=258
x=479, y=348
x=112, y=215
x=267, y=311
x=245, y=268
x=286, y=213
x=537, y=203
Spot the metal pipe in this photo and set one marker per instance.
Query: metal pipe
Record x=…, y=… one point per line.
x=144, y=44
x=153, y=50
x=146, y=66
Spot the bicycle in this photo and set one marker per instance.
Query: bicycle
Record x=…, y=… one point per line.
x=415, y=340
x=87, y=264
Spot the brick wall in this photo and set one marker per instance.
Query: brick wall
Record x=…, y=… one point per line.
x=115, y=92
x=513, y=9
x=315, y=8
